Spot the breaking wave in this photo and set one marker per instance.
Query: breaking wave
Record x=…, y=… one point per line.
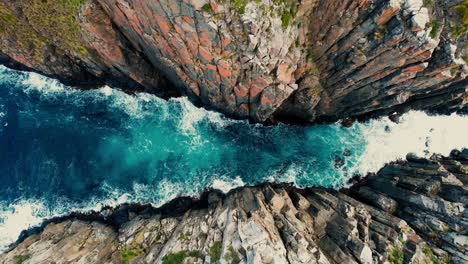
x=64, y=150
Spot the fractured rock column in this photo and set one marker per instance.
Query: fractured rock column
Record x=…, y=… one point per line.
x=239, y=58
x=380, y=56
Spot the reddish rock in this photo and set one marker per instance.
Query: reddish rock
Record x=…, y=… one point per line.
x=285, y=72
x=366, y=56
x=204, y=55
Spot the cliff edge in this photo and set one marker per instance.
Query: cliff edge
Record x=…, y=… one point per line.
x=267, y=60
x=410, y=212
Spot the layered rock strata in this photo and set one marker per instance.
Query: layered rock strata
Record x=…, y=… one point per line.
x=265, y=60
x=410, y=212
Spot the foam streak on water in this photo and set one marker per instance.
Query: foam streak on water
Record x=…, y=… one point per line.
x=64, y=150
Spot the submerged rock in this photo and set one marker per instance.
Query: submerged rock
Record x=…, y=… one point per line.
x=339, y=162
x=410, y=212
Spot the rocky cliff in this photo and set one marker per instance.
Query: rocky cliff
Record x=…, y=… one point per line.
x=265, y=60
x=410, y=212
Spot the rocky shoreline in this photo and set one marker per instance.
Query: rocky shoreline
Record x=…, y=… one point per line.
x=411, y=211
x=294, y=61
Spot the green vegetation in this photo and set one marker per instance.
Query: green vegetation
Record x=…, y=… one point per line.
x=460, y=28
x=215, y=251
x=435, y=26
x=430, y=256
x=239, y=6
x=463, y=11
x=26, y=39
x=232, y=256
x=312, y=70
x=311, y=59
x=6, y=18
x=178, y=257
x=128, y=254
x=396, y=256
x=311, y=55
x=58, y=21
x=288, y=10
x=454, y=71
x=207, y=8
x=286, y=19
x=185, y=237
x=315, y=92
x=40, y=24
x=21, y=259
x=158, y=237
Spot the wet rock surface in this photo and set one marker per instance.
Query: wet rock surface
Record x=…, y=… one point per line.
x=292, y=61
x=410, y=212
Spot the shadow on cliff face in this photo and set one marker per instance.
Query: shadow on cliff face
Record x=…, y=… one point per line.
x=390, y=57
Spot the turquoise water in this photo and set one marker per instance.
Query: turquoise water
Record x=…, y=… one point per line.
x=63, y=150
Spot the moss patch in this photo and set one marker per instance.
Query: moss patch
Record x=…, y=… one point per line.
x=431, y=257
x=128, y=254
x=239, y=6
x=20, y=259
x=57, y=20
x=435, y=26
x=207, y=8
x=185, y=237
x=33, y=26
x=287, y=11
x=231, y=256
x=396, y=256
x=215, y=251
x=18, y=35
x=461, y=27
x=178, y=257
x=454, y=71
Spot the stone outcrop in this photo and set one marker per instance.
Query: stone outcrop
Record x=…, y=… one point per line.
x=265, y=60
x=377, y=57
x=410, y=212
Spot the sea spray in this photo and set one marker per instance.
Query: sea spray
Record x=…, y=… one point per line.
x=66, y=150
x=416, y=132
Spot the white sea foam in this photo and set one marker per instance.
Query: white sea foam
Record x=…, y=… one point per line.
x=19, y=216
x=417, y=133
x=106, y=90
x=168, y=190
x=384, y=141
x=2, y=116
x=34, y=81
x=289, y=175
x=27, y=213
x=226, y=184
x=191, y=117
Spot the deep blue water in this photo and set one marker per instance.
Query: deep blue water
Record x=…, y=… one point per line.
x=63, y=149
